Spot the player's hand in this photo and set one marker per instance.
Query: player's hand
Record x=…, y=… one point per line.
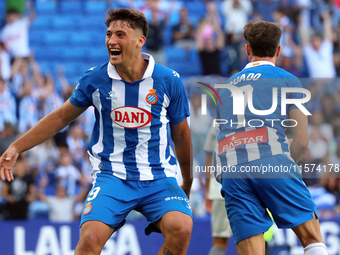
x=7, y=161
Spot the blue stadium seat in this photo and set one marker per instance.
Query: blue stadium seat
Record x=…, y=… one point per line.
x=43, y=8
x=71, y=7
x=98, y=56
x=167, y=35
x=85, y=38
x=71, y=69
x=186, y=68
x=41, y=23
x=56, y=39
x=196, y=8
x=74, y=54
x=51, y=54
x=94, y=22
x=63, y=23
x=175, y=54
x=95, y=7
x=36, y=38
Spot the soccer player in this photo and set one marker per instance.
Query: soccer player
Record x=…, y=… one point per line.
x=250, y=141
x=133, y=164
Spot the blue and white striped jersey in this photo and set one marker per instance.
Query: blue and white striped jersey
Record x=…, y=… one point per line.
x=130, y=133
x=249, y=137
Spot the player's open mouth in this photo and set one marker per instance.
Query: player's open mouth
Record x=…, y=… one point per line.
x=115, y=52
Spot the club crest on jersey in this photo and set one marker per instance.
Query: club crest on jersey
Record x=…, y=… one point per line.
x=151, y=98
x=131, y=117
x=87, y=208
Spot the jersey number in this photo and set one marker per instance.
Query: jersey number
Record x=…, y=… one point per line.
x=93, y=194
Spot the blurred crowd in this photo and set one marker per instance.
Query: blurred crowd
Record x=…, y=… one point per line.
x=56, y=174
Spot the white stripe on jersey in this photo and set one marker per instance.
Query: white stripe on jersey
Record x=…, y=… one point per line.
x=273, y=141
x=144, y=135
x=116, y=157
x=168, y=170
x=98, y=147
x=252, y=148
x=231, y=155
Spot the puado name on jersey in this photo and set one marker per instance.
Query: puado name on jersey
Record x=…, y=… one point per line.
x=131, y=117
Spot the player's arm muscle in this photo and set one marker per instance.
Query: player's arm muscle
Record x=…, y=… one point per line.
x=48, y=126
x=300, y=133
x=181, y=137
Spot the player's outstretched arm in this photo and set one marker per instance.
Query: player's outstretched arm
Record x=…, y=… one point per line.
x=43, y=130
x=181, y=137
x=300, y=132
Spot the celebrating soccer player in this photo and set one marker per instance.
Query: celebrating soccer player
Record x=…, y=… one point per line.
x=133, y=164
x=254, y=139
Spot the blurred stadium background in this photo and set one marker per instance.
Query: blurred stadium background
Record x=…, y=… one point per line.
x=46, y=46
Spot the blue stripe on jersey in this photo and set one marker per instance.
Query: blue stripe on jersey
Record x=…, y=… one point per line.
x=156, y=169
x=108, y=139
x=131, y=135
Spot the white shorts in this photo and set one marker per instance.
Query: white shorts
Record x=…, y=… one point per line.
x=219, y=220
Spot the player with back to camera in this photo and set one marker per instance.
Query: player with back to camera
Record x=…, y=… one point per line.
x=133, y=165
x=248, y=194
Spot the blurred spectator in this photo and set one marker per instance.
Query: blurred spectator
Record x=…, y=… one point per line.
x=5, y=63
x=61, y=206
x=318, y=51
x=183, y=32
x=67, y=174
x=199, y=126
x=28, y=110
x=86, y=121
x=76, y=144
x=265, y=8
x=210, y=41
x=7, y=136
x=20, y=192
x=8, y=106
x=17, y=5
x=45, y=157
x=15, y=32
x=236, y=14
x=154, y=42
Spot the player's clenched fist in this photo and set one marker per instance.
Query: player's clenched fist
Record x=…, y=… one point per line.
x=7, y=162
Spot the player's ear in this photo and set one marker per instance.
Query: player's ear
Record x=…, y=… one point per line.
x=141, y=41
x=247, y=49
x=278, y=51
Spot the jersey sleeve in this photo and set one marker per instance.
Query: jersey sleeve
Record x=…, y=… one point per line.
x=80, y=96
x=294, y=83
x=178, y=108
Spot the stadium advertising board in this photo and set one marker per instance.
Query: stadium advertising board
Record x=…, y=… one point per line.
x=41, y=237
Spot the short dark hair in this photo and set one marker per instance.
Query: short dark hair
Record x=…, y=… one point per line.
x=263, y=37
x=135, y=19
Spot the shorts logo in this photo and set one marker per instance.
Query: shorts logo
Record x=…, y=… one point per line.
x=151, y=98
x=254, y=136
x=87, y=208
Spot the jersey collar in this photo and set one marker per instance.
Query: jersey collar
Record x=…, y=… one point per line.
x=258, y=63
x=112, y=72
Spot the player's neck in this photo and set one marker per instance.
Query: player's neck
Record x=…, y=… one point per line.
x=269, y=59
x=133, y=71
